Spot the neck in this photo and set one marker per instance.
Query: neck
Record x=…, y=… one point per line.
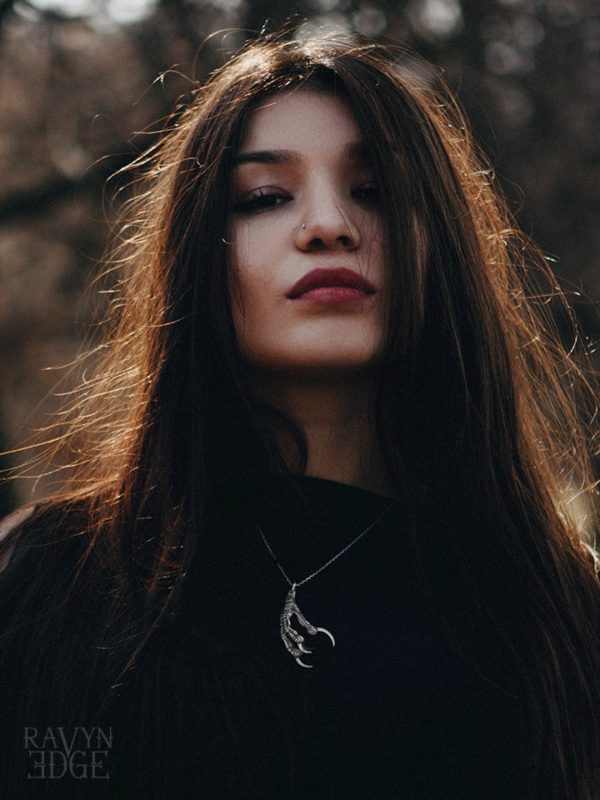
x=334, y=416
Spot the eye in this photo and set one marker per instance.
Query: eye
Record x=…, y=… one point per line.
x=368, y=194
x=260, y=200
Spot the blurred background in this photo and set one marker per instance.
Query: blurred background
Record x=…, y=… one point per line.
x=85, y=83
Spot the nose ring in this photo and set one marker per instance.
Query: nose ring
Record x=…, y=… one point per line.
x=304, y=226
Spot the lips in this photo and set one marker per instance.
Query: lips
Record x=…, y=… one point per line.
x=340, y=278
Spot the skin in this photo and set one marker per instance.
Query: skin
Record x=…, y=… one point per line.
x=317, y=208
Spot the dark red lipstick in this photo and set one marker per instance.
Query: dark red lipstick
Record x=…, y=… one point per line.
x=331, y=286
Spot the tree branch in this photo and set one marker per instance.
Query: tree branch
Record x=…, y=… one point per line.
x=33, y=202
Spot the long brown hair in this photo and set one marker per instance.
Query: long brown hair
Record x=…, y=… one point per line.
x=475, y=406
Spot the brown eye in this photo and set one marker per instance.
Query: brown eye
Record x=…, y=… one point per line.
x=260, y=200
x=367, y=194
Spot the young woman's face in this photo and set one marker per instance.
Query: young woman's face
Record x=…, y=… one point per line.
x=307, y=272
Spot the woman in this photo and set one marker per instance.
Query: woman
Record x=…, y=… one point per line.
x=318, y=543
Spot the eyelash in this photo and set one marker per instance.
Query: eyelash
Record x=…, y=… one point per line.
x=259, y=200
x=265, y=200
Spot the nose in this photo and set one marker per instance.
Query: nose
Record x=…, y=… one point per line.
x=327, y=227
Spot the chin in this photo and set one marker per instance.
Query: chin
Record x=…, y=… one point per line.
x=322, y=366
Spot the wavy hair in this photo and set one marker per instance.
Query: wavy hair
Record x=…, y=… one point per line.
x=478, y=407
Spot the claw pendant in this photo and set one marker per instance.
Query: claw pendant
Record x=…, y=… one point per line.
x=293, y=640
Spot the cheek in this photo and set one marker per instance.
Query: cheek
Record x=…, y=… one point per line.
x=255, y=256
x=238, y=266
x=247, y=282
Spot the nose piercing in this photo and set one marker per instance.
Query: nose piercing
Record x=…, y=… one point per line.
x=304, y=226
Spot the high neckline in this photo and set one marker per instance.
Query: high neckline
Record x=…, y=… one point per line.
x=333, y=485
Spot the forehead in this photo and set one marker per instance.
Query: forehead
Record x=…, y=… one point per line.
x=304, y=120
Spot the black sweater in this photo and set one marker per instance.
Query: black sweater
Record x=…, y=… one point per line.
x=219, y=709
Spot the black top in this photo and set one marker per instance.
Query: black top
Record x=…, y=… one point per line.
x=392, y=711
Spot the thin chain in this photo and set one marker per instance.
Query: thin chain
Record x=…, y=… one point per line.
x=331, y=560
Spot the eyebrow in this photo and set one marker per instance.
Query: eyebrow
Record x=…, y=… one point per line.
x=355, y=151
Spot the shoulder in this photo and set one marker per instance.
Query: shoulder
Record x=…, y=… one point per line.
x=10, y=527
x=49, y=574
x=55, y=528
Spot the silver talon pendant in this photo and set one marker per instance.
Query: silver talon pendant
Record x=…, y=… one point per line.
x=294, y=641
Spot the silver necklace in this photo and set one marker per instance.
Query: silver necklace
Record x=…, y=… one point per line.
x=294, y=641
